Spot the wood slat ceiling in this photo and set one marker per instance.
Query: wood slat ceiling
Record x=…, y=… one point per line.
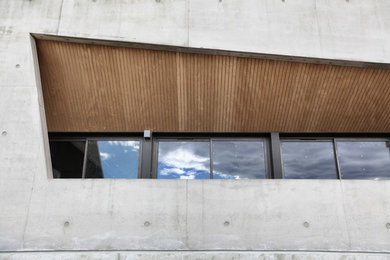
x=93, y=88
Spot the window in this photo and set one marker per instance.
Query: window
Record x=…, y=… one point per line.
x=364, y=159
x=211, y=158
x=95, y=158
x=309, y=160
x=67, y=158
x=216, y=156
x=183, y=160
x=112, y=159
x=347, y=158
x=239, y=160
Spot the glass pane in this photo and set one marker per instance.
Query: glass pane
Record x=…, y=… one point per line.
x=309, y=160
x=112, y=159
x=183, y=160
x=238, y=160
x=67, y=158
x=364, y=160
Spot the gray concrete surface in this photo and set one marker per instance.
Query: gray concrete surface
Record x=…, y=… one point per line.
x=189, y=255
x=39, y=213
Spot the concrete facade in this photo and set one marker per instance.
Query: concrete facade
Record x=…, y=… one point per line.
x=187, y=255
x=39, y=213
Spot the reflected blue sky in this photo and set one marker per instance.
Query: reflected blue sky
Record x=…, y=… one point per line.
x=119, y=159
x=183, y=160
x=191, y=160
x=238, y=160
x=364, y=160
x=309, y=160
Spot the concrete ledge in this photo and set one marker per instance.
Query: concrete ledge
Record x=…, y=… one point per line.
x=198, y=255
x=207, y=51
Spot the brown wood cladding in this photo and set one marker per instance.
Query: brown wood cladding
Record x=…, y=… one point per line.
x=92, y=88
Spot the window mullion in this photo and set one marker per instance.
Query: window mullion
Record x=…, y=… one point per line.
x=85, y=159
x=276, y=156
x=146, y=153
x=211, y=159
x=336, y=155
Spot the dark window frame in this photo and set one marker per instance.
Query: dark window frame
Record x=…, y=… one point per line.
x=356, y=139
x=148, y=158
x=346, y=137
x=310, y=139
x=210, y=139
x=66, y=140
x=100, y=138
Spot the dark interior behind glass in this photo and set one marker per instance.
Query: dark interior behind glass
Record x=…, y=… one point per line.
x=67, y=158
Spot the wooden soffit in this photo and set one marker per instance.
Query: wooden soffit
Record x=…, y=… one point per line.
x=97, y=88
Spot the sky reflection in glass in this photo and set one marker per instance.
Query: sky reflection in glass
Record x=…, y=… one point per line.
x=364, y=160
x=112, y=159
x=309, y=160
x=183, y=160
x=238, y=160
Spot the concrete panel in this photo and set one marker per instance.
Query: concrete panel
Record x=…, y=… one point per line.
x=347, y=30
x=151, y=21
x=189, y=255
x=19, y=17
x=21, y=160
x=367, y=214
x=17, y=20
x=16, y=63
x=110, y=214
x=266, y=215
x=12, y=237
x=208, y=215
x=38, y=213
x=21, y=142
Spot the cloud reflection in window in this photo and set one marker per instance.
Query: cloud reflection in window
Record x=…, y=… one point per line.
x=231, y=160
x=112, y=159
x=184, y=160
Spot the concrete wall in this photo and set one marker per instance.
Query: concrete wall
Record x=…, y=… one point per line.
x=187, y=255
x=39, y=213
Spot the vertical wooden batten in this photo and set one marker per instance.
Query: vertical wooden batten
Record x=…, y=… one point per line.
x=97, y=88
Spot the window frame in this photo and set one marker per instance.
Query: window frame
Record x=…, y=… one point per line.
x=334, y=138
x=148, y=158
x=66, y=139
x=210, y=139
x=100, y=138
x=357, y=139
x=311, y=139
